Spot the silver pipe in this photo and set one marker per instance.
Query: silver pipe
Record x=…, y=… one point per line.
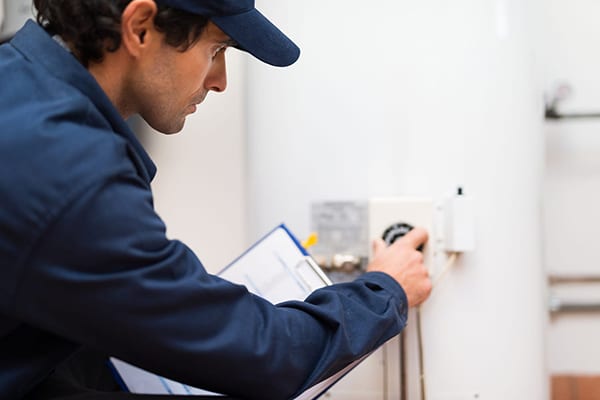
x=560, y=306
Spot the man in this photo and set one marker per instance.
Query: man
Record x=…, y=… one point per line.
x=83, y=256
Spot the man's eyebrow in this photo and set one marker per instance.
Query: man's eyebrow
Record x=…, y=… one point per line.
x=229, y=42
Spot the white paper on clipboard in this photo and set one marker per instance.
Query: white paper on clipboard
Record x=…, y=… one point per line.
x=277, y=268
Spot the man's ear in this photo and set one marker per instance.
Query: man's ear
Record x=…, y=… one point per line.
x=137, y=26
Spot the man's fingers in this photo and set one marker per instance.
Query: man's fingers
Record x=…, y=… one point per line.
x=415, y=238
x=378, y=245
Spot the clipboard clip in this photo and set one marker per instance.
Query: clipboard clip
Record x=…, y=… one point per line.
x=310, y=274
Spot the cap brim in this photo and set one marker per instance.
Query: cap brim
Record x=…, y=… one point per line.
x=255, y=34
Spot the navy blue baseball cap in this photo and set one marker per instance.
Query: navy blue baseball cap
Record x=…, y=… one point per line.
x=243, y=23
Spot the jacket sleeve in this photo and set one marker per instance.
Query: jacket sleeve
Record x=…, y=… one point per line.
x=104, y=274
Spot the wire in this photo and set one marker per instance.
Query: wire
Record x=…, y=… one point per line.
x=449, y=263
x=421, y=362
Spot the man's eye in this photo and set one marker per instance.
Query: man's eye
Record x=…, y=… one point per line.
x=219, y=50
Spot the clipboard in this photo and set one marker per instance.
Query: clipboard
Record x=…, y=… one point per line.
x=285, y=269
x=285, y=272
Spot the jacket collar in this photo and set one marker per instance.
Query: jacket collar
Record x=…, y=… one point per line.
x=33, y=41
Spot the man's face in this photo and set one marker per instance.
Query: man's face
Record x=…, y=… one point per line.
x=171, y=83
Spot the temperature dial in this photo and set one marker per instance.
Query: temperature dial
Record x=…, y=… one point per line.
x=396, y=231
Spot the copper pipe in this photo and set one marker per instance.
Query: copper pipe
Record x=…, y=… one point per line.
x=561, y=279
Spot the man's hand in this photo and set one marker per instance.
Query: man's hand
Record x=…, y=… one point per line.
x=404, y=263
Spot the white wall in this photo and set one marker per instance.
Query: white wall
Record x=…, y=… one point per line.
x=200, y=187
x=13, y=14
x=572, y=182
x=399, y=97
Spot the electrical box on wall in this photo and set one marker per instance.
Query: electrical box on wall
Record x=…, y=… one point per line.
x=459, y=223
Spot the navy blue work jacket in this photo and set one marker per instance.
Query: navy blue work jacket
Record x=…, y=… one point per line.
x=84, y=258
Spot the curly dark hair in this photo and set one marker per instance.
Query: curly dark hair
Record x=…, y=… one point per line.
x=93, y=27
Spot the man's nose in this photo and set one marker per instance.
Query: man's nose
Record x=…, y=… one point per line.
x=216, y=80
